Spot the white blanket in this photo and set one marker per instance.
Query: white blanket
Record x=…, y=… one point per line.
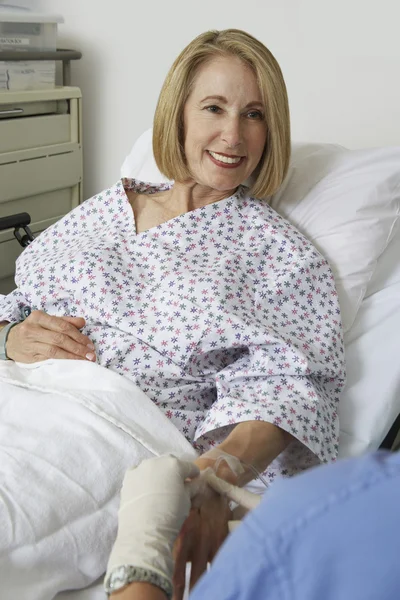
x=68, y=431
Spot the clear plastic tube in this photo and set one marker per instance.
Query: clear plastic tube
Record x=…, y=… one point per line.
x=256, y=473
x=236, y=465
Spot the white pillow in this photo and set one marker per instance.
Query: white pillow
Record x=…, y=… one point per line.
x=370, y=402
x=344, y=201
x=140, y=163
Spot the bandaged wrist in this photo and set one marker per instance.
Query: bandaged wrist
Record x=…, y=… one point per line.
x=236, y=466
x=223, y=459
x=237, y=496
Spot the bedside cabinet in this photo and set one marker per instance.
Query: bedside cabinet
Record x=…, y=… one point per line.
x=40, y=163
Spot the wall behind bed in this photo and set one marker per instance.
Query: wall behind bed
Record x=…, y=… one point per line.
x=341, y=62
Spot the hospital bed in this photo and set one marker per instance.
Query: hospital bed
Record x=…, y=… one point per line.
x=323, y=176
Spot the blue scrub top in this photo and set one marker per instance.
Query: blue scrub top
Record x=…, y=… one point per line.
x=332, y=533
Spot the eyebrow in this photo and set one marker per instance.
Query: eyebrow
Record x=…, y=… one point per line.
x=225, y=101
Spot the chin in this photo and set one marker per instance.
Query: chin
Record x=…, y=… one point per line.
x=225, y=185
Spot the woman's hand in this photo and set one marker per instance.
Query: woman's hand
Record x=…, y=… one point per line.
x=200, y=538
x=42, y=336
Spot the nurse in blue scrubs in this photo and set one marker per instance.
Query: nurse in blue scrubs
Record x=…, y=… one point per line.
x=331, y=533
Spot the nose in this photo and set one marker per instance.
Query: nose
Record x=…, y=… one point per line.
x=231, y=133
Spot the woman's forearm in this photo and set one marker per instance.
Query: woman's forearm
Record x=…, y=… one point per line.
x=255, y=443
x=139, y=591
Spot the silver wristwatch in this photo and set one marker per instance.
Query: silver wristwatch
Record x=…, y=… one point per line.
x=123, y=575
x=4, y=331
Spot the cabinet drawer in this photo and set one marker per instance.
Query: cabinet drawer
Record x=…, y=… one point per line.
x=41, y=206
x=44, y=209
x=34, y=132
x=16, y=110
x=32, y=172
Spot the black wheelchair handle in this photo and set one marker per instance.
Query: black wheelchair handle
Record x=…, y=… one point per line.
x=12, y=221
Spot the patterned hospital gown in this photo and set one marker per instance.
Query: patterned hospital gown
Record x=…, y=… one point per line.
x=221, y=315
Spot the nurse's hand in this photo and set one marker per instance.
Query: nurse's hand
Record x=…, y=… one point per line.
x=42, y=336
x=155, y=501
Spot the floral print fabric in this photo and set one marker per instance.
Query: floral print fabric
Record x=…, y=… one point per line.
x=221, y=315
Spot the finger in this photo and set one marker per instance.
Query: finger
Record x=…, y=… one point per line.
x=196, y=487
x=200, y=555
x=215, y=514
x=199, y=490
x=58, y=324
x=65, y=343
x=48, y=352
x=78, y=322
x=182, y=551
x=188, y=469
x=179, y=576
x=53, y=340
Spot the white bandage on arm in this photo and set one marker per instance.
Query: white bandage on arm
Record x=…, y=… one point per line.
x=208, y=482
x=200, y=490
x=239, y=495
x=237, y=466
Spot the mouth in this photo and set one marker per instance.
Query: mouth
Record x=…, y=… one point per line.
x=225, y=160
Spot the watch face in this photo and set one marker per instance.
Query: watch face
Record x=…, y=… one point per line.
x=117, y=579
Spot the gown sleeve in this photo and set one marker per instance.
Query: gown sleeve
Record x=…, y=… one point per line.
x=292, y=370
x=89, y=221
x=11, y=305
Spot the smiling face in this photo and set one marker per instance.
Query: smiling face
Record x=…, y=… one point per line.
x=224, y=124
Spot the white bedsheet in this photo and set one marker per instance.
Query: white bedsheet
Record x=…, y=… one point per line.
x=96, y=591
x=93, y=592
x=68, y=431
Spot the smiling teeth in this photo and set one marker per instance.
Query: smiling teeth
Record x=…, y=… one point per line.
x=225, y=159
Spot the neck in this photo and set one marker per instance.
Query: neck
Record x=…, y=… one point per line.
x=184, y=197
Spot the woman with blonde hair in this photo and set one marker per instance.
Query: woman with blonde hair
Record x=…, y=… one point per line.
x=214, y=305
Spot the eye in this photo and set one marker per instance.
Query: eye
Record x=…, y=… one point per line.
x=255, y=115
x=213, y=108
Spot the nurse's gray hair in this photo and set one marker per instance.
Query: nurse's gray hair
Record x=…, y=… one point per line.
x=168, y=133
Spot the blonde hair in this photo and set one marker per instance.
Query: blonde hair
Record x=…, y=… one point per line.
x=168, y=134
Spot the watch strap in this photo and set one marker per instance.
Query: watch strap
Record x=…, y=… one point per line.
x=4, y=331
x=123, y=575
